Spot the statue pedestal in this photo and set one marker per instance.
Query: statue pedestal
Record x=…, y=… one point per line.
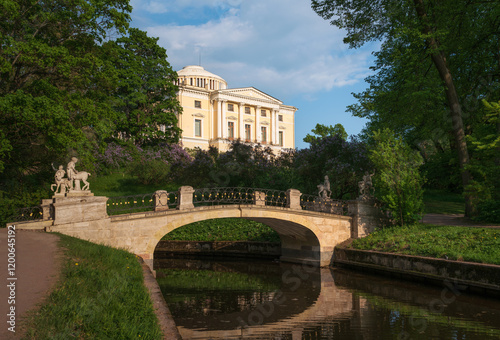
x=366, y=216
x=79, y=209
x=79, y=193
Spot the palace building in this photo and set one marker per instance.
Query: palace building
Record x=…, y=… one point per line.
x=214, y=114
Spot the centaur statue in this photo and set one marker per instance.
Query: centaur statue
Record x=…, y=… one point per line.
x=72, y=183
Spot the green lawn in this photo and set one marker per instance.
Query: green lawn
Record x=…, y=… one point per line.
x=441, y=202
x=100, y=295
x=120, y=184
x=455, y=243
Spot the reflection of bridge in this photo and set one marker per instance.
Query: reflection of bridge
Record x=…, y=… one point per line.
x=275, y=318
x=309, y=227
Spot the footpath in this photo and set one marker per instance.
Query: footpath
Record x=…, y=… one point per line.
x=36, y=270
x=455, y=220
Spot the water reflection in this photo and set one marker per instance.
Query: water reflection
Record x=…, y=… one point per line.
x=245, y=300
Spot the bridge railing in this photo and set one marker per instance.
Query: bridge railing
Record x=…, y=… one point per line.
x=238, y=195
x=143, y=202
x=327, y=205
x=27, y=214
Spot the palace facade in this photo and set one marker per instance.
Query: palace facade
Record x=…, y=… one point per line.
x=214, y=114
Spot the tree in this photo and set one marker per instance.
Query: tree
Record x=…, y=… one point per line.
x=51, y=91
x=447, y=34
x=322, y=131
x=146, y=92
x=397, y=181
x=343, y=161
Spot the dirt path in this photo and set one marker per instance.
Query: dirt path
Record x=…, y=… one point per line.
x=37, y=266
x=455, y=220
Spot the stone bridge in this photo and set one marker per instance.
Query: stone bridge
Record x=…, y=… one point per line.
x=309, y=227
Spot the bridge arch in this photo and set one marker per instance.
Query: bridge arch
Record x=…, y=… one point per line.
x=305, y=237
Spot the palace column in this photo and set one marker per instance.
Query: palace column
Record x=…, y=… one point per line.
x=276, y=131
x=224, y=124
x=242, y=131
x=219, y=119
x=257, y=124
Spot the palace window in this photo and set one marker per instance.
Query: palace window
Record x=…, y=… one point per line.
x=230, y=107
x=197, y=104
x=280, y=136
x=263, y=131
x=248, y=132
x=247, y=110
x=280, y=118
x=197, y=127
x=230, y=130
x=263, y=113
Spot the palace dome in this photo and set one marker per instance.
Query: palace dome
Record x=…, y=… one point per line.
x=190, y=73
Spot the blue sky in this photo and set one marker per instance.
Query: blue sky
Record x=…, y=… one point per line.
x=281, y=47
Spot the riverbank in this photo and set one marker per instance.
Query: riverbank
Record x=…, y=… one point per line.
x=101, y=294
x=467, y=255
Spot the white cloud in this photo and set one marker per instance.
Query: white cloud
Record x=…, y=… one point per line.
x=280, y=46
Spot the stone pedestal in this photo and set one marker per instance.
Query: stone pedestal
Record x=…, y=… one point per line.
x=259, y=198
x=293, y=199
x=79, y=209
x=366, y=216
x=186, y=198
x=47, y=209
x=161, y=200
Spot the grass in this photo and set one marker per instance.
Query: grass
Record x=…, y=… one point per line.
x=224, y=229
x=100, y=295
x=121, y=184
x=441, y=202
x=455, y=243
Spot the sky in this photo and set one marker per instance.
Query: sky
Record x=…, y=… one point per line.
x=280, y=47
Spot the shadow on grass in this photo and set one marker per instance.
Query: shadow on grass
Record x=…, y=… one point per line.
x=441, y=202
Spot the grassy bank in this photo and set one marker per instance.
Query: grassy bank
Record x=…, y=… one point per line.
x=455, y=243
x=224, y=229
x=100, y=295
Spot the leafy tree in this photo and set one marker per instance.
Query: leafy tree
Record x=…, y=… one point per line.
x=146, y=90
x=49, y=76
x=485, y=188
x=322, y=131
x=344, y=162
x=436, y=56
x=397, y=181
x=65, y=88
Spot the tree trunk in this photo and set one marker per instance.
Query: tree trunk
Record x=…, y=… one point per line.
x=439, y=60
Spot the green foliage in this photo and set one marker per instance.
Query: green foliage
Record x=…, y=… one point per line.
x=485, y=186
x=145, y=89
x=455, y=243
x=488, y=211
x=151, y=171
x=67, y=88
x=322, y=131
x=101, y=295
x=434, y=66
x=397, y=181
x=225, y=229
x=344, y=162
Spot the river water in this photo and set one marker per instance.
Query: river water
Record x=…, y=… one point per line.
x=271, y=300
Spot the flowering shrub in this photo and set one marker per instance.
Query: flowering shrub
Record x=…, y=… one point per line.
x=114, y=157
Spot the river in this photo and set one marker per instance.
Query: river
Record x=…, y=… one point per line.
x=272, y=300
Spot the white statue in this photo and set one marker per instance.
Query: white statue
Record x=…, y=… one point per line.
x=324, y=189
x=366, y=185
x=75, y=176
x=61, y=182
